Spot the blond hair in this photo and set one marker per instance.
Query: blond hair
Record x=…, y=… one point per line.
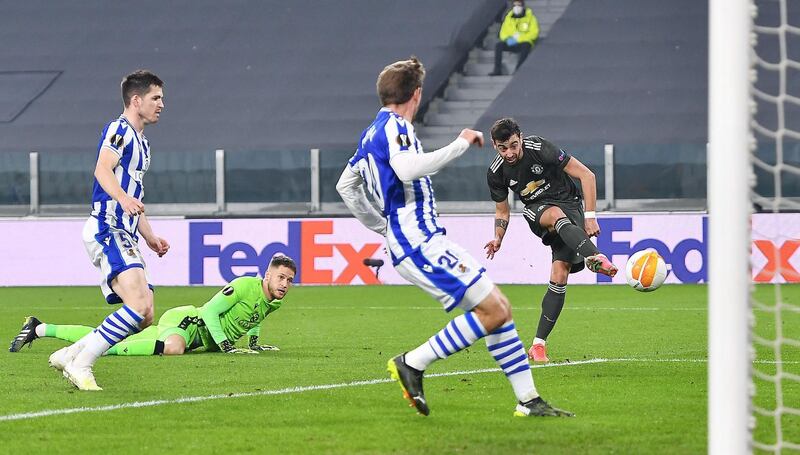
x=398, y=81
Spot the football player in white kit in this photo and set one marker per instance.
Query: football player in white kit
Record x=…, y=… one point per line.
x=390, y=165
x=112, y=231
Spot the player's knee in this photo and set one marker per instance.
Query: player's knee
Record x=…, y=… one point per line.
x=147, y=320
x=173, y=350
x=141, y=301
x=505, y=307
x=550, y=216
x=494, y=311
x=174, y=345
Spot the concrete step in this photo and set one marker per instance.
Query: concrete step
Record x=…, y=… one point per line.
x=483, y=69
x=455, y=118
x=448, y=130
x=477, y=112
x=490, y=41
x=479, y=53
x=487, y=82
x=471, y=94
x=470, y=79
x=487, y=56
x=452, y=106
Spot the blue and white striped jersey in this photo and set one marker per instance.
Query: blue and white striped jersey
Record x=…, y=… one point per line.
x=409, y=207
x=133, y=150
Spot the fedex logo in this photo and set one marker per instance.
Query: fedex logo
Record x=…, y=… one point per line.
x=676, y=257
x=301, y=244
x=777, y=261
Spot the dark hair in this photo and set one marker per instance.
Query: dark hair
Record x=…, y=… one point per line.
x=398, y=81
x=138, y=83
x=504, y=128
x=281, y=260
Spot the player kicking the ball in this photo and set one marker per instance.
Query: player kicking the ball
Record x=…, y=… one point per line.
x=389, y=162
x=541, y=176
x=238, y=309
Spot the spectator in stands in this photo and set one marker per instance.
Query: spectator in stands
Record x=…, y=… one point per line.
x=517, y=34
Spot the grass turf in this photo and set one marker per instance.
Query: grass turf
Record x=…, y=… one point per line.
x=646, y=394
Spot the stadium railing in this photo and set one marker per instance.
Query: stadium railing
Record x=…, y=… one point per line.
x=302, y=182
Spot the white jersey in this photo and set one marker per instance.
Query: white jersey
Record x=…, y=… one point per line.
x=409, y=207
x=133, y=151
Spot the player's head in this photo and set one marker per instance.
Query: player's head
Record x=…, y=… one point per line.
x=507, y=139
x=143, y=94
x=401, y=82
x=518, y=8
x=280, y=276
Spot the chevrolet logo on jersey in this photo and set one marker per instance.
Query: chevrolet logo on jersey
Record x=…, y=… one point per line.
x=531, y=187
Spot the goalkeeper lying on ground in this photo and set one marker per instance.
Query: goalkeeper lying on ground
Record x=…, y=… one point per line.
x=236, y=310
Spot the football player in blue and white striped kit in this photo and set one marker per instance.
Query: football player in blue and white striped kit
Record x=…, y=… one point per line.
x=390, y=166
x=112, y=231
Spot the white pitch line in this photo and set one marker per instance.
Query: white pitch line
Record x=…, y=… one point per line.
x=429, y=308
x=290, y=390
x=434, y=308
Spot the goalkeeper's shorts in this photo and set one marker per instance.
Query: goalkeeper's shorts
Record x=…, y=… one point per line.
x=184, y=321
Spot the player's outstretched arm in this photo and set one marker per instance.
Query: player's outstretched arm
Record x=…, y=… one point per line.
x=502, y=215
x=411, y=166
x=107, y=160
x=578, y=170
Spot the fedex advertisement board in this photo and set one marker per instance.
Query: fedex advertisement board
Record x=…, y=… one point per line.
x=50, y=252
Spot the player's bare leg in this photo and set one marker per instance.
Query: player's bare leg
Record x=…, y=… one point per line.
x=136, y=314
x=554, y=220
x=174, y=345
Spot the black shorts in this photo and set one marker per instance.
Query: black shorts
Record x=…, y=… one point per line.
x=561, y=252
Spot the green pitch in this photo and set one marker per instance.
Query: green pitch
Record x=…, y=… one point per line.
x=631, y=366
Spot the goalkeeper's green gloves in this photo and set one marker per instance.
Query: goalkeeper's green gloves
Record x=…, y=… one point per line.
x=261, y=347
x=228, y=347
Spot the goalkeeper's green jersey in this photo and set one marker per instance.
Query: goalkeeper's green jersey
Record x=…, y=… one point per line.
x=237, y=309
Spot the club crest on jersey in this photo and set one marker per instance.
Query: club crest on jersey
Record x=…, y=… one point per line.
x=228, y=290
x=562, y=155
x=403, y=140
x=537, y=169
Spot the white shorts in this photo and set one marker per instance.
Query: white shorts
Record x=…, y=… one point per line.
x=112, y=251
x=447, y=272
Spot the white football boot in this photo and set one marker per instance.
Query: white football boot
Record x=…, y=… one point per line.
x=80, y=377
x=63, y=356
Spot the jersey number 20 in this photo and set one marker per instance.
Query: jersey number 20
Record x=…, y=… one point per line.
x=369, y=172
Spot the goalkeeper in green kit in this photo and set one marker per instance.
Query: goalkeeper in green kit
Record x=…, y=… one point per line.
x=236, y=310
